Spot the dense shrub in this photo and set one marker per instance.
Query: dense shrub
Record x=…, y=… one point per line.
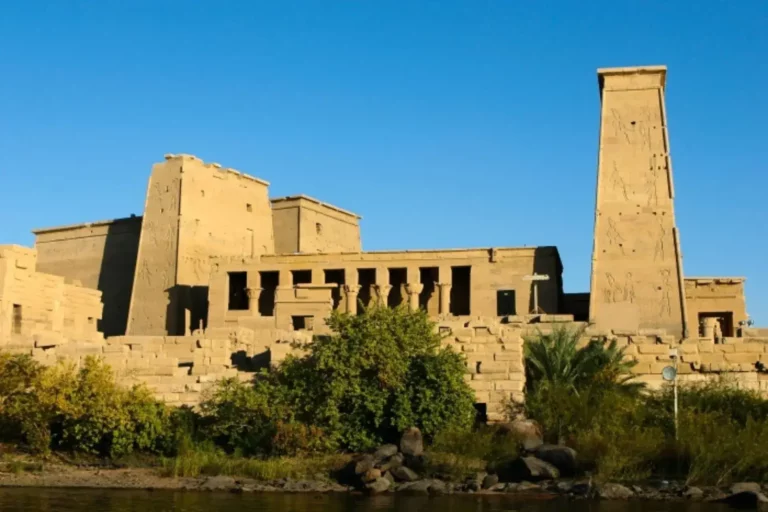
x=379, y=373
x=83, y=409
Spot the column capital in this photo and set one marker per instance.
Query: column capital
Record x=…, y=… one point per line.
x=351, y=288
x=414, y=288
x=253, y=292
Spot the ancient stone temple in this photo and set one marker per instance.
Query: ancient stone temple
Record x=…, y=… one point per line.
x=637, y=273
x=216, y=279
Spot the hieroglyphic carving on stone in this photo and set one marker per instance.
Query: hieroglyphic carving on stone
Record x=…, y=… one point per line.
x=659, y=236
x=629, y=288
x=613, y=292
x=665, y=304
x=618, y=183
x=614, y=236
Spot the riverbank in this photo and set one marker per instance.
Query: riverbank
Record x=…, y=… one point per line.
x=61, y=475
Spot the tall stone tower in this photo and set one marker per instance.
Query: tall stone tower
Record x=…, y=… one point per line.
x=193, y=212
x=637, y=276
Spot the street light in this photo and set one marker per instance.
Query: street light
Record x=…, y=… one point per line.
x=669, y=373
x=536, y=278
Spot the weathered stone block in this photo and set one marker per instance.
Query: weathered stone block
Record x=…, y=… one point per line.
x=654, y=349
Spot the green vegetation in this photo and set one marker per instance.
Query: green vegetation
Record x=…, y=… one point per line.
x=458, y=454
x=378, y=374
x=584, y=397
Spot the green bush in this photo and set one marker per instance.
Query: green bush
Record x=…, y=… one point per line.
x=82, y=410
x=378, y=374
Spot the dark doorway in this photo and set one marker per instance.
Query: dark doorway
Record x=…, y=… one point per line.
x=724, y=318
x=335, y=276
x=366, y=278
x=506, y=304
x=17, y=319
x=302, y=323
x=269, y=282
x=301, y=276
x=428, y=299
x=460, y=291
x=398, y=277
x=238, y=293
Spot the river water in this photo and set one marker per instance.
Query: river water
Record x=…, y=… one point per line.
x=71, y=500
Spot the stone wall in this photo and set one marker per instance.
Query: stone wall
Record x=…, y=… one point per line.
x=43, y=307
x=98, y=255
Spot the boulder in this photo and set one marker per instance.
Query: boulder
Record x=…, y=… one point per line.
x=378, y=486
x=389, y=477
x=528, y=432
x=363, y=464
x=395, y=461
x=412, y=443
x=371, y=475
x=438, y=487
x=489, y=481
x=693, y=493
x=384, y=451
x=219, y=483
x=405, y=474
x=417, y=487
x=615, y=492
x=745, y=486
x=746, y=499
x=526, y=468
x=562, y=457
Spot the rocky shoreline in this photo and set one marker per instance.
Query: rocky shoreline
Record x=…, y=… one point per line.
x=542, y=472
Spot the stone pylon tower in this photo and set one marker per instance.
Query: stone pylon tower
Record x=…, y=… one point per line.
x=637, y=276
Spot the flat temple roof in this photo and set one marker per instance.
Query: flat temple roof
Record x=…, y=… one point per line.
x=729, y=279
x=316, y=201
x=67, y=227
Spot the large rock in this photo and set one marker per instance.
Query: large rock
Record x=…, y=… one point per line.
x=379, y=485
x=745, y=486
x=615, y=492
x=489, y=481
x=404, y=474
x=219, y=483
x=747, y=499
x=412, y=443
x=384, y=452
x=392, y=462
x=528, y=432
x=562, y=457
x=371, y=475
x=526, y=468
x=363, y=463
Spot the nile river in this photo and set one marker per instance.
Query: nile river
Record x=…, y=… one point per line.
x=71, y=500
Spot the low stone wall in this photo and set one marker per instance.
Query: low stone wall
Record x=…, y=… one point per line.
x=179, y=369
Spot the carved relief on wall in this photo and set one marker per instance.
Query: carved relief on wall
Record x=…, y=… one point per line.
x=665, y=304
x=629, y=288
x=659, y=236
x=614, y=236
x=618, y=184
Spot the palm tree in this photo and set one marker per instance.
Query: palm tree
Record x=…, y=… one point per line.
x=556, y=359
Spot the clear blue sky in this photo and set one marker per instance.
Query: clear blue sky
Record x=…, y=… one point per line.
x=443, y=123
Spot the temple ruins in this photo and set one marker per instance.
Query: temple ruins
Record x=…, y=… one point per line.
x=217, y=279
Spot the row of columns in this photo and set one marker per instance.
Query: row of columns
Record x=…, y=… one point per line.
x=350, y=292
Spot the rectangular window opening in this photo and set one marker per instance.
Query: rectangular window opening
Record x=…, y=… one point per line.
x=398, y=277
x=460, y=291
x=269, y=282
x=238, y=291
x=366, y=278
x=428, y=298
x=335, y=276
x=301, y=276
x=17, y=319
x=302, y=323
x=506, y=304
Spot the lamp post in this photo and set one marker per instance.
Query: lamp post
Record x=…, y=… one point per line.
x=535, y=278
x=670, y=374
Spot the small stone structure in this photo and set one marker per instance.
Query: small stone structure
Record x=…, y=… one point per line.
x=216, y=279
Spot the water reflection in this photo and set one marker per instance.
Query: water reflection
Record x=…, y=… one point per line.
x=71, y=500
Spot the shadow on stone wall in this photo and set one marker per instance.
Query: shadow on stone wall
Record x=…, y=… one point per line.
x=118, y=265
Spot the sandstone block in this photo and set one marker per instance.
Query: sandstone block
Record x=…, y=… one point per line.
x=654, y=349
x=507, y=355
x=509, y=385
x=480, y=385
x=712, y=358
x=725, y=348
x=741, y=358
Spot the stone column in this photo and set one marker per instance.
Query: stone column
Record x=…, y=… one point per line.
x=352, y=291
x=253, y=300
x=382, y=293
x=413, y=290
x=445, y=298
